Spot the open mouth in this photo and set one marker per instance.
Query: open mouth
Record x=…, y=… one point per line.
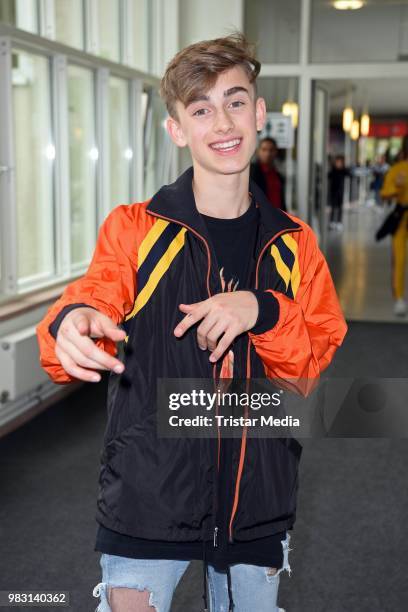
x=226, y=147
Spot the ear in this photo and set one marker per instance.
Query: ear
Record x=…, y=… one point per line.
x=175, y=132
x=260, y=113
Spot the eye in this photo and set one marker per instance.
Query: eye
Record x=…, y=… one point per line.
x=237, y=103
x=200, y=111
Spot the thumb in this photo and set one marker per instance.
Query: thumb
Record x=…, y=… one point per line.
x=110, y=329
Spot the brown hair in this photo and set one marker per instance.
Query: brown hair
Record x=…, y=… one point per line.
x=195, y=69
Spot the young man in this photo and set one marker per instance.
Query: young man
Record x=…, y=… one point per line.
x=263, y=171
x=204, y=280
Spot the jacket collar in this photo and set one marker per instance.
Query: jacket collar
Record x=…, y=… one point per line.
x=176, y=202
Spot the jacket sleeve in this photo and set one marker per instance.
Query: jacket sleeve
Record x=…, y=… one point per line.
x=310, y=327
x=109, y=285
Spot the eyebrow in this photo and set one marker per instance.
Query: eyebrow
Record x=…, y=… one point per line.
x=228, y=92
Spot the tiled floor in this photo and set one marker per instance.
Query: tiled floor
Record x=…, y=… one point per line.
x=361, y=267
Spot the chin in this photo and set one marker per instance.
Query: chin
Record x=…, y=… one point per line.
x=226, y=166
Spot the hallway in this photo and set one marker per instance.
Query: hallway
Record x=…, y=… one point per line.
x=361, y=267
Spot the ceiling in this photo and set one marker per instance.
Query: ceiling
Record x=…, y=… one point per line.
x=383, y=96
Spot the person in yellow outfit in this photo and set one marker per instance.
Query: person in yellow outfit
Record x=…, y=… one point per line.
x=396, y=186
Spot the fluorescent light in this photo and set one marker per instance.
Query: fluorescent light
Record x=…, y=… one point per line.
x=355, y=130
x=348, y=5
x=348, y=116
x=291, y=109
x=365, y=124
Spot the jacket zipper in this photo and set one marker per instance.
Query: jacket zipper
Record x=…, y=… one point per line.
x=215, y=532
x=248, y=375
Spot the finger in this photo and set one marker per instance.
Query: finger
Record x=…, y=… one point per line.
x=187, y=307
x=89, y=349
x=215, y=333
x=223, y=344
x=77, y=356
x=190, y=319
x=204, y=328
x=72, y=369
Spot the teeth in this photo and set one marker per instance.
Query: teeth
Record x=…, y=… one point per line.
x=227, y=145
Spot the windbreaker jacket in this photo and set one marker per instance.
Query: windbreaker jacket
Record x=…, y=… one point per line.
x=150, y=257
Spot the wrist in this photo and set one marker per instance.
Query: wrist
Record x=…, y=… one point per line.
x=268, y=311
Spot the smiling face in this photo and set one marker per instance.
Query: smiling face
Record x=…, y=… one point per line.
x=220, y=126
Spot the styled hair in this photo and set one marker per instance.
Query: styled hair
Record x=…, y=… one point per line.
x=195, y=69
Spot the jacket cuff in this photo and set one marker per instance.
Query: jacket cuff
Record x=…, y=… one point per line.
x=54, y=326
x=268, y=314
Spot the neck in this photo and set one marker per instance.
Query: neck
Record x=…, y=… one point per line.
x=224, y=196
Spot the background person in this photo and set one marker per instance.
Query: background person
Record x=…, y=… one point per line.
x=396, y=187
x=379, y=170
x=266, y=175
x=337, y=175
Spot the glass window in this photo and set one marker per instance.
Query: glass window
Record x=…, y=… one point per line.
x=281, y=98
x=120, y=151
x=34, y=165
x=157, y=143
x=139, y=19
x=83, y=157
x=109, y=29
x=275, y=27
x=376, y=32
x=22, y=14
x=69, y=22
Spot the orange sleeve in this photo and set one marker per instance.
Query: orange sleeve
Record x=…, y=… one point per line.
x=310, y=327
x=109, y=285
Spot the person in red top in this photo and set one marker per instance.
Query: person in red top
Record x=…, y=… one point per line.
x=265, y=174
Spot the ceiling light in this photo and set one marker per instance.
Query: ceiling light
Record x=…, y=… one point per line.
x=291, y=109
x=348, y=5
x=365, y=124
x=348, y=116
x=355, y=130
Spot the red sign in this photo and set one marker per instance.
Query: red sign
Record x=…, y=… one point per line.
x=388, y=129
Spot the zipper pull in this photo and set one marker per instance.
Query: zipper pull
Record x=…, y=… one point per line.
x=215, y=536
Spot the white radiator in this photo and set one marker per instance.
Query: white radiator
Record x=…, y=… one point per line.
x=20, y=370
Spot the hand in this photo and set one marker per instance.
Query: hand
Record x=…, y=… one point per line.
x=229, y=314
x=74, y=347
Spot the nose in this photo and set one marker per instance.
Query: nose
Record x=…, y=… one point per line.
x=223, y=122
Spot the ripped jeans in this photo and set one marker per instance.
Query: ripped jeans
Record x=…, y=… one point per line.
x=254, y=587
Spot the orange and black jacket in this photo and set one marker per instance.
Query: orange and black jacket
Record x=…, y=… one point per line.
x=149, y=258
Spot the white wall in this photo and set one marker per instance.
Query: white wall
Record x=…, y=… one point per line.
x=200, y=20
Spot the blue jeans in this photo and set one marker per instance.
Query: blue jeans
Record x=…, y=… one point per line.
x=253, y=587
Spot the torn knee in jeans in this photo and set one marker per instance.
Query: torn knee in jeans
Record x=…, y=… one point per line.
x=123, y=599
x=271, y=571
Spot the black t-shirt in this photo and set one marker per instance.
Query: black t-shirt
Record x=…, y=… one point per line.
x=234, y=244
